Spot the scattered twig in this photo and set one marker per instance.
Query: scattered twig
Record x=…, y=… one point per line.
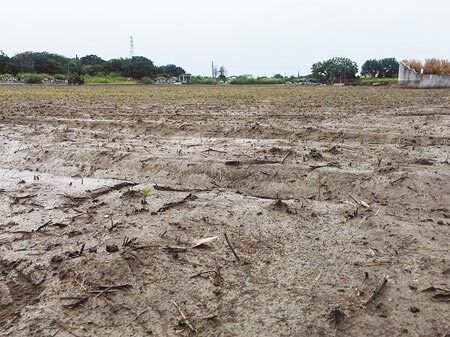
x=251, y=162
x=285, y=157
x=44, y=225
x=77, y=253
x=175, y=204
x=214, y=150
x=315, y=167
x=424, y=161
x=140, y=314
x=443, y=295
x=20, y=197
x=361, y=202
x=265, y=197
x=180, y=189
x=231, y=247
x=202, y=242
x=121, y=157
x=109, y=289
x=175, y=249
x=79, y=301
x=107, y=189
x=11, y=321
x=203, y=273
x=185, y=318
x=113, y=225
x=398, y=179
x=127, y=241
x=377, y=290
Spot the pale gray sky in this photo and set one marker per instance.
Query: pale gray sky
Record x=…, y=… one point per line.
x=260, y=37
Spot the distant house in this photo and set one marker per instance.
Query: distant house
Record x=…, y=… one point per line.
x=408, y=77
x=164, y=80
x=184, y=79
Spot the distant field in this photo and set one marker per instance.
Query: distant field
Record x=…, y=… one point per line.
x=334, y=201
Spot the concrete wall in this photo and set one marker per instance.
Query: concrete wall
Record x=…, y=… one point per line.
x=408, y=77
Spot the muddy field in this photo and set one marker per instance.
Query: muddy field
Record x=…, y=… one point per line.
x=325, y=211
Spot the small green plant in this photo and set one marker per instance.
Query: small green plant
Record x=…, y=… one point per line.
x=12, y=274
x=145, y=192
x=380, y=157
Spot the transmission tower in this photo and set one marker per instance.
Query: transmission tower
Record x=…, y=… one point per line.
x=131, y=47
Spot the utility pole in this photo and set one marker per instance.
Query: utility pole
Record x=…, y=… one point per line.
x=131, y=47
x=213, y=70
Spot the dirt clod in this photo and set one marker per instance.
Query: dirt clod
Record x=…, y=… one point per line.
x=112, y=248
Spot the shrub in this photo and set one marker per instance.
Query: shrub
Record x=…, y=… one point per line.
x=437, y=67
x=4, y=77
x=202, y=80
x=112, y=78
x=414, y=64
x=31, y=78
x=60, y=77
x=146, y=80
x=75, y=79
x=259, y=80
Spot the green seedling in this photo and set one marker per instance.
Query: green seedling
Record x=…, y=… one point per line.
x=380, y=157
x=145, y=192
x=12, y=274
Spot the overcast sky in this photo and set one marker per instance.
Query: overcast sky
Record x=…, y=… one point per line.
x=259, y=37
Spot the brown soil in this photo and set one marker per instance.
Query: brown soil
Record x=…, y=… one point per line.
x=334, y=200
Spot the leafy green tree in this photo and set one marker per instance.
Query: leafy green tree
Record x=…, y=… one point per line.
x=138, y=67
x=278, y=76
x=222, y=73
x=371, y=68
x=24, y=62
x=387, y=67
x=75, y=72
x=4, y=61
x=170, y=70
x=337, y=69
x=40, y=62
x=114, y=66
x=390, y=67
x=92, y=60
x=92, y=64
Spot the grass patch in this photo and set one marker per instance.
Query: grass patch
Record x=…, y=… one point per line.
x=379, y=81
x=108, y=79
x=259, y=80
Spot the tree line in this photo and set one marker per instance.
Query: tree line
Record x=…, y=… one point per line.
x=334, y=70
x=341, y=69
x=137, y=67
